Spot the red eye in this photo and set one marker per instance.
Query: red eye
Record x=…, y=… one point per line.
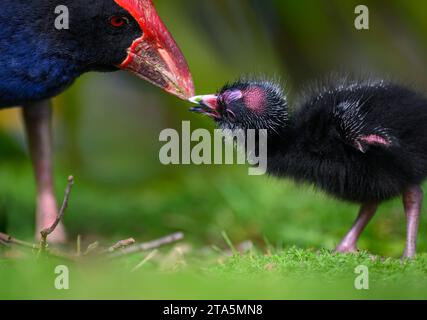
x=118, y=22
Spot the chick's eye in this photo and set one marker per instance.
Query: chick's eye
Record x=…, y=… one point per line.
x=118, y=22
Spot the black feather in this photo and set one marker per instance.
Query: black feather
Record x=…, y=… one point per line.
x=358, y=141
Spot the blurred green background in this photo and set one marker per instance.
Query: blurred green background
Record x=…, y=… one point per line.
x=107, y=128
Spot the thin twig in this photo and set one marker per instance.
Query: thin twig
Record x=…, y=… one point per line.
x=8, y=240
x=79, y=245
x=46, y=232
x=91, y=248
x=148, y=246
x=229, y=243
x=150, y=256
x=121, y=245
x=5, y=238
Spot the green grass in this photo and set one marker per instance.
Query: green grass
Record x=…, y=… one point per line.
x=106, y=135
x=288, y=274
x=292, y=228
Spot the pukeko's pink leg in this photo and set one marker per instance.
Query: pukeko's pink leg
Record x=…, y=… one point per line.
x=37, y=119
x=349, y=243
x=412, y=201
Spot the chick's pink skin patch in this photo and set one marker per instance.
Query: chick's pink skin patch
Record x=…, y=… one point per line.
x=232, y=96
x=375, y=139
x=255, y=99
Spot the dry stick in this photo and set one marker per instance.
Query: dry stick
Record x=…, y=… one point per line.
x=148, y=246
x=91, y=248
x=150, y=256
x=5, y=238
x=46, y=232
x=79, y=245
x=121, y=245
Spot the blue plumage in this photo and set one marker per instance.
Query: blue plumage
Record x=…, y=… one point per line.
x=38, y=60
x=38, y=76
x=31, y=66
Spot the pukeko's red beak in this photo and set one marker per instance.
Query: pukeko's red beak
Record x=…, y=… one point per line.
x=155, y=56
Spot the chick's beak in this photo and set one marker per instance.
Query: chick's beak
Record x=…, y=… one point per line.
x=207, y=104
x=155, y=56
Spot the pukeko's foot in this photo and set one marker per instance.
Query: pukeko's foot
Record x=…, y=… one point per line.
x=37, y=119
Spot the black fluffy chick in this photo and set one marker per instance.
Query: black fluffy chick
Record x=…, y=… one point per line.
x=362, y=141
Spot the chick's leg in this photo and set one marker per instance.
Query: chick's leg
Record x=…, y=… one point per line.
x=37, y=119
x=412, y=201
x=349, y=243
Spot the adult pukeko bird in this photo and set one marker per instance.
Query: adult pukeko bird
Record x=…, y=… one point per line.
x=361, y=141
x=38, y=61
